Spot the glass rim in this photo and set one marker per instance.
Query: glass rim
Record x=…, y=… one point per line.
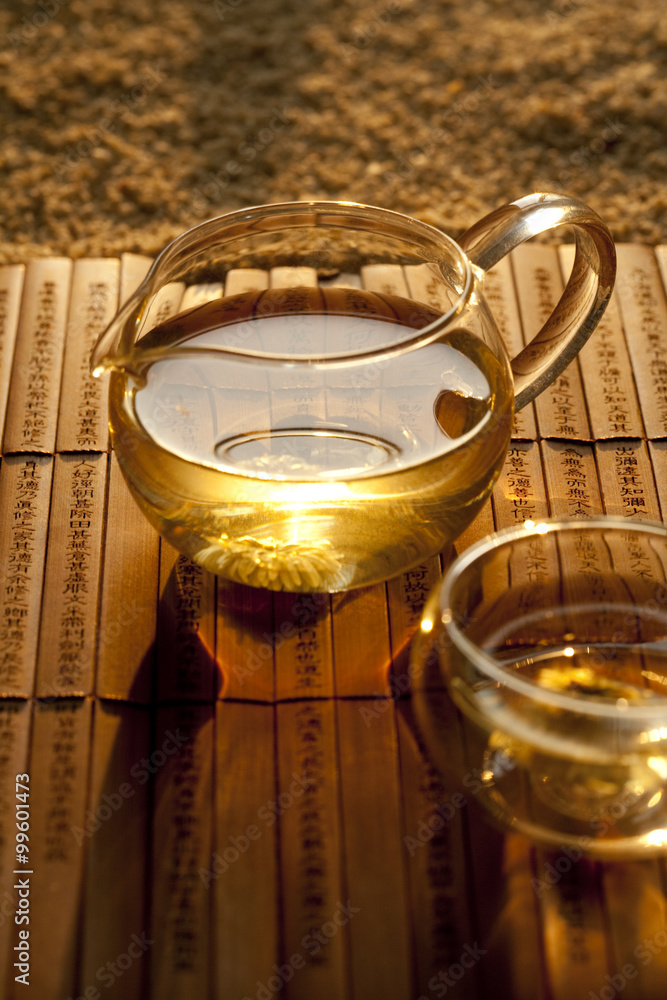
x=307, y=214
x=487, y=665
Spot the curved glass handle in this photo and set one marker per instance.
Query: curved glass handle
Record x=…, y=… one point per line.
x=586, y=294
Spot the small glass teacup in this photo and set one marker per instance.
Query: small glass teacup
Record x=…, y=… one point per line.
x=541, y=682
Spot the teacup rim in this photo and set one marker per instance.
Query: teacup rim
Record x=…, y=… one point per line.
x=490, y=667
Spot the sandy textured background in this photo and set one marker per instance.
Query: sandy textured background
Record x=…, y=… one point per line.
x=125, y=122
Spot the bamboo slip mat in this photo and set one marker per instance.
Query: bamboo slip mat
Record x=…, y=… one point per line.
x=228, y=795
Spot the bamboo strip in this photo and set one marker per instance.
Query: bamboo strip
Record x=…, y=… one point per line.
x=115, y=942
x=560, y=409
x=83, y=408
x=316, y=909
x=68, y=634
x=245, y=642
x=246, y=279
x=426, y=285
x=658, y=454
x=11, y=286
x=304, y=661
x=641, y=300
x=15, y=719
x=361, y=653
x=375, y=859
x=386, y=279
x=296, y=397
x=25, y=488
x=292, y=277
x=59, y=767
x=130, y=577
x=482, y=526
x=571, y=478
x=164, y=304
x=181, y=957
x=661, y=256
x=575, y=945
x=626, y=479
x=133, y=269
x=440, y=905
x=643, y=571
x=404, y=399
x=604, y=362
x=242, y=873
x=500, y=294
x=520, y=494
x=185, y=629
x=344, y=279
x=406, y=596
x=34, y=391
x=506, y=907
x=199, y=295
x=637, y=916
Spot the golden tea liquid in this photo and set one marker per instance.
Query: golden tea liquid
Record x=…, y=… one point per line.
x=318, y=474
x=558, y=762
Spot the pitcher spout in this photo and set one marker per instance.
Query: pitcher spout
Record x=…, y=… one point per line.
x=114, y=347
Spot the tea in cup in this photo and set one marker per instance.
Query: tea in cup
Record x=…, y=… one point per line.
x=540, y=676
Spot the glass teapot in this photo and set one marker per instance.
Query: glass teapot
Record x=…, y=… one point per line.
x=333, y=402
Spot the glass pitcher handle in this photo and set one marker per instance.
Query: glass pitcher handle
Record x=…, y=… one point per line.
x=586, y=294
